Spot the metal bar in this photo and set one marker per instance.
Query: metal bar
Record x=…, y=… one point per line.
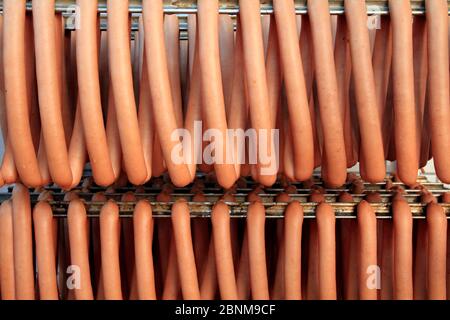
x=232, y=6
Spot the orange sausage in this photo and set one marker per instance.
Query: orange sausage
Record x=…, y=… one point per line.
x=185, y=252
x=77, y=149
x=402, y=262
x=220, y=219
x=293, y=223
x=300, y=120
x=326, y=224
x=328, y=95
x=23, y=244
x=211, y=88
x=208, y=277
x=164, y=116
x=122, y=84
x=89, y=94
x=438, y=64
x=342, y=59
x=255, y=72
x=372, y=151
x=143, y=235
x=7, y=252
x=17, y=104
x=243, y=275
x=45, y=251
x=256, y=217
x=437, y=252
x=367, y=232
x=109, y=240
x=50, y=93
x=403, y=90
x=79, y=248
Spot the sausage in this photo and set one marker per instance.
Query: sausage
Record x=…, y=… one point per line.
x=7, y=252
x=327, y=90
x=23, y=244
x=256, y=216
x=200, y=237
x=208, y=282
x=165, y=122
x=342, y=59
x=220, y=218
x=438, y=64
x=127, y=251
x=122, y=84
x=256, y=85
x=184, y=250
x=238, y=113
x=326, y=224
x=367, y=232
x=79, y=248
x=95, y=227
x=213, y=106
x=402, y=239
x=143, y=235
x=172, y=32
x=50, y=93
x=293, y=223
x=89, y=94
x=227, y=56
x=145, y=119
x=381, y=60
x=437, y=252
x=294, y=81
x=113, y=135
x=17, y=104
x=8, y=167
x=77, y=148
x=403, y=90
x=109, y=240
x=45, y=251
x=372, y=152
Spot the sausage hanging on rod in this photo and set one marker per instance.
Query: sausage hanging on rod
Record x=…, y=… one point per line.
x=211, y=87
x=7, y=288
x=50, y=93
x=439, y=101
x=403, y=91
x=372, y=152
x=122, y=85
x=325, y=71
x=89, y=94
x=294, y=81
x=164, y=115
x=17, y=104
x=255, y=73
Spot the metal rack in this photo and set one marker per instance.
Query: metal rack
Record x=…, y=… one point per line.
x=238, y=209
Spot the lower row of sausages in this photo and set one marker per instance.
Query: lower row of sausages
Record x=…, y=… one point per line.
x=142, y=257
x=338, y=90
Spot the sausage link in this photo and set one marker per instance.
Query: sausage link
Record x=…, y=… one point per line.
x=293, y=223
x=403, y=90
x=402, y=239
x=185, y=252
x=256, y=84
x=220, y=218
x=45, y=251
x=256, y=216
x=77, y=148
x=79, y=248
x=89, y=94
x=332, y=126
x=243, y=275
x=211, y=87
x=143, y=235
x=367, y=232
x=438, y=64
x=17, y=104
x=300, y=119
x=23, y=244
x=372, y=152
x=7, y=252
x=122, y=84
x=326, y=224
x=50, y=93
x=164, y=116
x=208, y=282
x=437, y=252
